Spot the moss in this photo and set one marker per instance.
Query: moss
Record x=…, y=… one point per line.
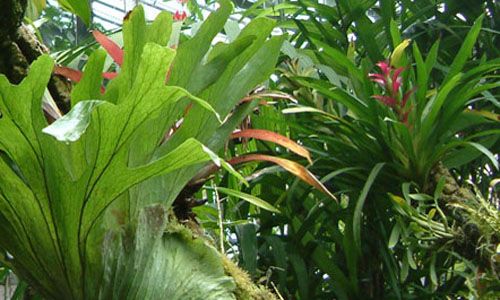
x=452, y=191
x=246, y=289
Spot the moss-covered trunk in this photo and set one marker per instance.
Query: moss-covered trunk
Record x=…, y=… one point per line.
x=12, y=62
x=19, y=47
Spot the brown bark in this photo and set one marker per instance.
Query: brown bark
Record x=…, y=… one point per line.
x=470, y=236
x=12, y=63
x=58, y=86
x=11, y=15
x=19, y=47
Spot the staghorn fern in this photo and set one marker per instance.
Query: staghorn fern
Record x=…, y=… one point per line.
x=84, y=201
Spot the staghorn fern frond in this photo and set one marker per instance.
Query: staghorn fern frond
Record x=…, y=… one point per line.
x=100, y=167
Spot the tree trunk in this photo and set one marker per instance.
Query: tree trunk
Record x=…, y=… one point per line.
x=19, y=47
x=12, y=63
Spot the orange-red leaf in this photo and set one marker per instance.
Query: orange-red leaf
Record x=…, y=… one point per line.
x=71, y=74
x=273, y=137
x=110, y=46
x=109, y=75
x=76, y=76
x=291, y=166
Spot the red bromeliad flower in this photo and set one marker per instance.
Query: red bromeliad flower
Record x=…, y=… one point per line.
x=391, y=81
x=178, y=16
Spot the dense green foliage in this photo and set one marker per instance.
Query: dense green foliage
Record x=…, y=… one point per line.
x=393, y=105
x=374, y=148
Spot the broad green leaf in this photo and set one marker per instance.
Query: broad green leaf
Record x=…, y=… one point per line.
x=24, y=191
x=433, y=107
x=465, y=155
x=404, y=269
x=249, y=198
x=365, y=30
x=432, y=270
x=280, y=256
x=114, y=184
x=431, y=59
x=247, y=237
x=343, y=288
x=90, y=85
x=232, y=29
x=300, y=270
x=394, y=32
x=411, y=261
x=465, y=50
x=231, y=87
x=175, y=264
x=191, y=52
x=231, y=82
x=394, y=237
x=358, y=211
x=34, y=8
x=160, y=31
x=357, y=106
x=81, y=8
x=71, y=126
x=205, y=75
x=486, y=152
x=422, y=76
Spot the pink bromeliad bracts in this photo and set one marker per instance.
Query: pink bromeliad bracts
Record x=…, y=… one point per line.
x=391, y=81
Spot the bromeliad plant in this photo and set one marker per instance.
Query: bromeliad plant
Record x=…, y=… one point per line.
x=413, y=122
x=85, y=202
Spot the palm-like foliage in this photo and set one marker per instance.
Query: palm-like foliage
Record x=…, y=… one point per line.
x=366, y=148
